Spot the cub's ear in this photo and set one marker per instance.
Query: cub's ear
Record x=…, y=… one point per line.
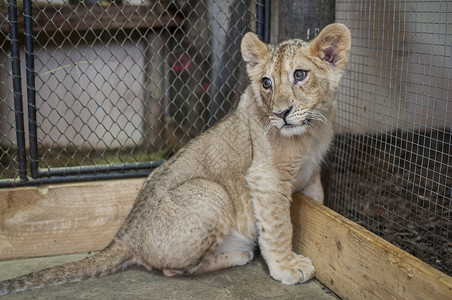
x=332, y=45
x=254, y=51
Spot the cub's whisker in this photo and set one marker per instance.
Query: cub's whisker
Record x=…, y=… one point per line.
x=267, y=128
x=318, y=116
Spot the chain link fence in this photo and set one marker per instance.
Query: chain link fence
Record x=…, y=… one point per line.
x=391, y=167
x=113, y=88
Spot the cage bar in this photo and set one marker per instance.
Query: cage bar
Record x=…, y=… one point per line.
x=31, y=92
x=17, y=89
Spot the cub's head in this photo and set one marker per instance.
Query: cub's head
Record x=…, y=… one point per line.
x=297, y=80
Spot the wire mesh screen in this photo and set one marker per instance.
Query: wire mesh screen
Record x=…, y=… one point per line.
x=116, y=86
x=391, y=170
x=8, y=161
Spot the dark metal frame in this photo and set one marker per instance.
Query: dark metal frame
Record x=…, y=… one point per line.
x=67, y=174
x=263, y=19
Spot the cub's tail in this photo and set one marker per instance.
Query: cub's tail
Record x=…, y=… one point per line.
x=113, y=257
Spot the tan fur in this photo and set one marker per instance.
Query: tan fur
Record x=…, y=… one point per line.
x=230, y=188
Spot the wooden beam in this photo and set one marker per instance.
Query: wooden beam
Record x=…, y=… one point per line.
x=94, y=17
x=355, y=263
x=64, y=218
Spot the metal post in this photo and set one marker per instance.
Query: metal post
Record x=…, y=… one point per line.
x=263, y=20
x=31, y=91
x=17, y=89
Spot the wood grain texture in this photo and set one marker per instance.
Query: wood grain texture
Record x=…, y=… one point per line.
x=357, y=264
x=64, y=218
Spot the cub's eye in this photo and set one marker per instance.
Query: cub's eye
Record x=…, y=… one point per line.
x=300, y=75
x=266, y=83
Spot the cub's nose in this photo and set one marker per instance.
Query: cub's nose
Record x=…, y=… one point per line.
x=283, y=113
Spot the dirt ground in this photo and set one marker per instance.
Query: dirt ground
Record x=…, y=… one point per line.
x=398, y=186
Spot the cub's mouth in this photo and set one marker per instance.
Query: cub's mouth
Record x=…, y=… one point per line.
x=288, y=125
x=306, y=121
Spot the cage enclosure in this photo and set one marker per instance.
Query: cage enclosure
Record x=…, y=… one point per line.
x=110, y=89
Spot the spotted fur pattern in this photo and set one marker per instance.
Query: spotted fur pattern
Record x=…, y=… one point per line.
x=230, y=188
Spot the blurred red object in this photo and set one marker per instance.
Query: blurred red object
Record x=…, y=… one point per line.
x=182, y=63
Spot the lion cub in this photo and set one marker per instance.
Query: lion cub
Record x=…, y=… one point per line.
x=230, y=188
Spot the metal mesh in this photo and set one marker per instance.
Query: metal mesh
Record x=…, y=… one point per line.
x=391, y=170
x=118, y=86
x=8, y=157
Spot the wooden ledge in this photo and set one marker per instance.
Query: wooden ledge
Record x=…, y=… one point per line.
x=96, y=17
x=357, y=264
x=80, y=217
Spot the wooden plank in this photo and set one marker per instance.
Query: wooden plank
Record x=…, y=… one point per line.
x=357, y=264
x=68, y=17
x=64, y=218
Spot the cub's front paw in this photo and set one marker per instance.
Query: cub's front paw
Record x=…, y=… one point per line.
x=297, y=269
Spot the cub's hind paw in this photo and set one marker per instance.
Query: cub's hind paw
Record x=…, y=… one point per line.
x=172, y=272
x=298, y=270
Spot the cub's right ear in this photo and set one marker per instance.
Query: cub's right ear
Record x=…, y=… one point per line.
x=254, y=51
x=332, y=45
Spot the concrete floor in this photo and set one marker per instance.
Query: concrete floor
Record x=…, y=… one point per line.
x=247, y=282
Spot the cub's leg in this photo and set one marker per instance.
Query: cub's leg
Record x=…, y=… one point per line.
x=236, y=250
x=271, y=198
x=314, y=188
x=214, y=261
x=184, y=225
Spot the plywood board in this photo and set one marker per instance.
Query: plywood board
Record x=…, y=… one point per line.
x=65, y=218
x=357, y=264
